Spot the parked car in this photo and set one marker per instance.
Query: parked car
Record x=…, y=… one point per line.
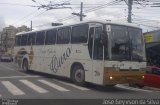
x=151, y=78
x=6, y=58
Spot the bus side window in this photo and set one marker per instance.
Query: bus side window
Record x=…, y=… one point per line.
x=24, y=40
x=51, y=37
x=18, y=40
x=40, y=38
x=79, y=33
x=90, y=42
x=31, y=38
x=63, y=36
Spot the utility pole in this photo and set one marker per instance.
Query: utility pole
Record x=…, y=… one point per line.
x=31, y=25
x=81, y=15
x=81, y=12
x=130, y=3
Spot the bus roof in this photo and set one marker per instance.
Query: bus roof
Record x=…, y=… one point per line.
x=90, y=21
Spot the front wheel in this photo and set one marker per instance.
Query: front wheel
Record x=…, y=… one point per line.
x=78, y=75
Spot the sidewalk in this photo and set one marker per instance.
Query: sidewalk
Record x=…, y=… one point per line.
x=145, y=87
x=152, y=88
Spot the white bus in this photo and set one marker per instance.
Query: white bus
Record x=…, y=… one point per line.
x=99, y=52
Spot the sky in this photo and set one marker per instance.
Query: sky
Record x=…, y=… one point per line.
x=21, y=12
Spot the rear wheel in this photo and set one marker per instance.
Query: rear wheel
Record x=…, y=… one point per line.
x=78, y=75
x=25, y=66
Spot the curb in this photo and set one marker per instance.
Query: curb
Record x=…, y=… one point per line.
x=152, y=88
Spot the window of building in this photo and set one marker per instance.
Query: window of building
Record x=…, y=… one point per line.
x=24, y=40
x=40, y=38
x=63, y=35
x=31, y=38
x=79, y=34
x=50, y=37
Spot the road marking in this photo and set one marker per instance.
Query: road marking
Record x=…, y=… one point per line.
x=131, y=88
x=28, y=76
x=72, y=85
x=12, y=88
x=7, y=67
x=33, y=86
x=53, y=85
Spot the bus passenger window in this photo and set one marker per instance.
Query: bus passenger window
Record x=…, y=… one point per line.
x=79, y=34
x=31, y=39
x=63, y=35
x=40, y=38
x=51, y=37
x=18, y=40
x=24, y=40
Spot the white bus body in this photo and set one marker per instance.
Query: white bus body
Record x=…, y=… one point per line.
x=76, y=51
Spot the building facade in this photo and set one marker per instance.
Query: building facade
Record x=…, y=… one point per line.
x=152, y=40
x=8, y=37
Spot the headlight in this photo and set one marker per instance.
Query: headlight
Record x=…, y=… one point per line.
x=110, y=77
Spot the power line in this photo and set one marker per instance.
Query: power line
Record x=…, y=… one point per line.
x=87, y=11
x=81, y=15
x=34, y=16
x=90, y=10
x=16, y=4
x=144, y=18
x=46, y=7
x=30, y=14
x=146, y=25
x=102, y=6
x=51, y=6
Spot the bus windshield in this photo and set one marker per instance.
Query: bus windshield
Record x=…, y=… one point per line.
x=137, y=44
x=126, y=43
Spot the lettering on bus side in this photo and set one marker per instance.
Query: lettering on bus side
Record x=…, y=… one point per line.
x=56, y=63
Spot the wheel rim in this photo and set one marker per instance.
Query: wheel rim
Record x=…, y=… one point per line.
x=79, y=75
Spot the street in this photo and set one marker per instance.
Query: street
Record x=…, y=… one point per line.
x=17, y=84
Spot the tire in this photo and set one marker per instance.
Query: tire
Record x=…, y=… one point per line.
x=132, y=85
x=78, y=75
x=139, y=85
x=111, y=85
x=25, y=66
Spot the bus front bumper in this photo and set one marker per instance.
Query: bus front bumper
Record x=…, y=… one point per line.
x=112, y=77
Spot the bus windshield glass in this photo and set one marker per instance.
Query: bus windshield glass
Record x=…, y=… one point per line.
x=137, y=44
x=126, y=43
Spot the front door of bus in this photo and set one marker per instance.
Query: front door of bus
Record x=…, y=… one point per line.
x=97, y=54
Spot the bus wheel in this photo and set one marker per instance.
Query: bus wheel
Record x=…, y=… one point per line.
x=111, y=85
x=78, y=75
x=25, y=66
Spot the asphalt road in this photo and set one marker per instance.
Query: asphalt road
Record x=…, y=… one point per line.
x=20, y=85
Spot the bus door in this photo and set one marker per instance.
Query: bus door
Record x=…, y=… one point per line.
x=97, y=54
